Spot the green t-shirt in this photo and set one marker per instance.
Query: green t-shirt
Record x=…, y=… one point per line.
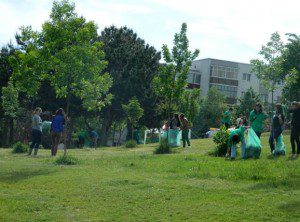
x=240, y=132
x=226, y=117
x=257, y=121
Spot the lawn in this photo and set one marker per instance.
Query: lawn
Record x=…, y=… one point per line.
x=117, y=184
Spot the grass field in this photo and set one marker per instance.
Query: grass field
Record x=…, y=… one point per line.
x=117, y=184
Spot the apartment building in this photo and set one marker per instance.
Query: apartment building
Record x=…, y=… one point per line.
x=231, y=78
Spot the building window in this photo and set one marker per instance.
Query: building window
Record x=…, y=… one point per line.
x=247, y=76
x=224, y=72
x=229, y=91
x=264, y=97
x=197, y=79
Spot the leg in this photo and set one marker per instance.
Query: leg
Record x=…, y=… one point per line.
x=233, y=152
x=298, y=141
x=52, y=143
x=243, y=148
x=33, y=141
x=293, y=140
x=184, y=137
x=38, y=142
x=271, y=142
x=57, y=140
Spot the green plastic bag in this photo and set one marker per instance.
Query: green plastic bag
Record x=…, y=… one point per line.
x=253, y=145
x=173, y=137
x=46, y=125
x=280, y=148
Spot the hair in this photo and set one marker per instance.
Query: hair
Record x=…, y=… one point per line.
x=36, y=110
x=181, y=115
x=260, y=107
x=235, y=139
x=60, y=111
x=230, y=108
x=279, y=108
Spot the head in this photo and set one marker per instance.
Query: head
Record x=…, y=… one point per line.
x=176, y=116
x=278, y=108
x=235, y=139
x=38, y=111
x=60, y=111
x=230, y=109
x=258, y=108
x=181, y=116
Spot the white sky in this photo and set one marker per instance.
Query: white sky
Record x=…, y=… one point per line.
x=224, y=29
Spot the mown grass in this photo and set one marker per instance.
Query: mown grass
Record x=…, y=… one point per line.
x=119, y=184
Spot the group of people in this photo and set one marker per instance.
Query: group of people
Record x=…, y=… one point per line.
x=179, y=122
x=256, y=122
x=57, y=128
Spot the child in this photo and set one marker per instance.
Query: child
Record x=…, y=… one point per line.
x=236, y=136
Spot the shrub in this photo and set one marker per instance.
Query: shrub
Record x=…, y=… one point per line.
x=19, y=148
x=130, y=144
x=66, y=160
x=163, y=147
x=221, y=139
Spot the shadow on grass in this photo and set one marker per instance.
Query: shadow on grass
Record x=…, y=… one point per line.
x=292, y=207
x=15, y=176
x=291, y=183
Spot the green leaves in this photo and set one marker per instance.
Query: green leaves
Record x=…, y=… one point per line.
x=10, y=100
x=133, y=111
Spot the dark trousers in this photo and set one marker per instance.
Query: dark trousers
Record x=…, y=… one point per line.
x=258, y=134
x=185, y=137
x=226, y=125
x=274, y=136
x=36, y=141
x=295, y=137
x=55, y=137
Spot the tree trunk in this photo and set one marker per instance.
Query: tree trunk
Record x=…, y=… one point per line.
x=114, y=134
x=105, y=127
x=11, y=131
x=68, y=104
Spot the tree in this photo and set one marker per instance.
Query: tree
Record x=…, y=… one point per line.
x=133, y=65
x=133, y=112
x=211, y=110
x=247, y=102
x=171, y=82
x=190, y=104
x=269, y=68
x=291, y=68
x=67, y=54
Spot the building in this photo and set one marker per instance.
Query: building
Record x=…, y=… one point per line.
x=231, y=78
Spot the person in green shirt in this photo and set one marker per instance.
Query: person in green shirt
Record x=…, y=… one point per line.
x=226, y=120
x=236, y=136
x=257, y=118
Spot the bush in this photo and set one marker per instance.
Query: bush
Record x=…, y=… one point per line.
x=163, y=147
x=221, y=139
x=66, y=160
x=130, y=144
x=19, y=148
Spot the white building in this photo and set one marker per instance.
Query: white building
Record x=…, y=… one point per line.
x=231, y=78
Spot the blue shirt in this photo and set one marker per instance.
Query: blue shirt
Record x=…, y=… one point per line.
x=57, y=125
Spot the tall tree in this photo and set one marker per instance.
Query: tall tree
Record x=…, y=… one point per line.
x=269, y=68
x=171, y=82
x=132, y=64
x=291, y=68
x=247, y=102
x=190, y=104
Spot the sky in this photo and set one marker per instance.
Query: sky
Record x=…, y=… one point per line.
x=231, y=30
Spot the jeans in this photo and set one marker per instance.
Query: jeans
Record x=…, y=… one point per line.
x=275, y=133
x=295, y=137
x=185, y=137
x=243, y=148
x=36, y=141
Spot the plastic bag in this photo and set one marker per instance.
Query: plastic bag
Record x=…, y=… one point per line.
x=280, y=148
x=173, y=137
x=253, y=145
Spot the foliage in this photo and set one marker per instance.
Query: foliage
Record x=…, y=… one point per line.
x=19, y=148
x=190, y=104
x=66, y=160
x=130, y=144
x=221, y=140
x=170, y=84
x=163, y=147
x=211, y=110
x=133, y=112
x=247, y=102
x=10, y=100
x=269, y=68
x=291, y=68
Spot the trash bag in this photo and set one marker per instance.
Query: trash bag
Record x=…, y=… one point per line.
x=173, y=137
x=46, y=125
x=280, y=148
x=253, y=145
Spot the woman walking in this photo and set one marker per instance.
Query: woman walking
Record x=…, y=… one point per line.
x=257, y=118
x=185, y=130
x=277, y=124
x=36, y=131
x=295, y=128
x=57, y=127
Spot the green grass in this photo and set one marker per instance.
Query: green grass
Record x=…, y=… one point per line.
x=119, y=184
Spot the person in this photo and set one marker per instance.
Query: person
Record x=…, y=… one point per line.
x=295, y=128
x=276, y=127
x=36, y=131
x=57, y=127
x=236, y=136
x=185, y=130
x=165, y=126
x=94, y=138
x=226, y=120
x=175, y=122
x=257, y=118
